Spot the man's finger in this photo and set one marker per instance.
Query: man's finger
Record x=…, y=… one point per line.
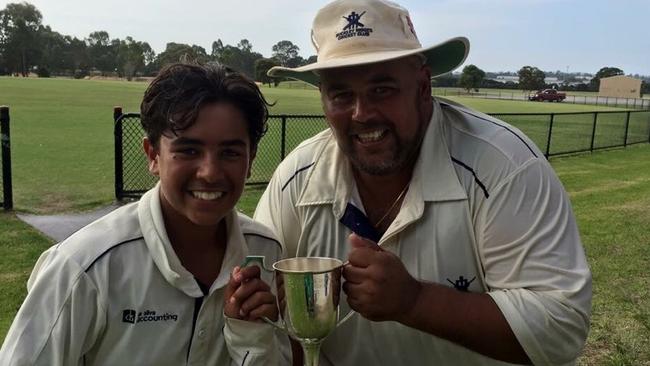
x=360, y=242
x=362, y=256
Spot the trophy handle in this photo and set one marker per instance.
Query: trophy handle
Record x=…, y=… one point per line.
x=258, y=260
x=252, y=259
x=346, y=317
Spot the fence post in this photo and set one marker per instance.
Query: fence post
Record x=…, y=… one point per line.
x=117, y=132
x=550, y=132
x=283, y=137
x=627, y=125
x=8, y=201
x=593, y=132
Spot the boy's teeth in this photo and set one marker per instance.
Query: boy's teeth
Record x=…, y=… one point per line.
x=370, y=136
x=208, y=196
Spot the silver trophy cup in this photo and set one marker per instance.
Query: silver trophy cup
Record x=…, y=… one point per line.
x=308, y=294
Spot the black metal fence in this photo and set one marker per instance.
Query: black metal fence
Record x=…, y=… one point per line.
x=554, y=133
x=5, y=160
x=636, y=103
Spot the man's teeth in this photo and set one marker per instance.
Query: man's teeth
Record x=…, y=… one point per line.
x=370, y=136
x=208, y=196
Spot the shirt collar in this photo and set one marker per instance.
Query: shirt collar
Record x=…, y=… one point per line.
x=434, y=177
x=155, y=235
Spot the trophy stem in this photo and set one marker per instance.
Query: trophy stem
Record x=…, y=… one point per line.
x=311, y=351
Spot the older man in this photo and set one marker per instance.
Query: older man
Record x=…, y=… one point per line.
x=462, y=246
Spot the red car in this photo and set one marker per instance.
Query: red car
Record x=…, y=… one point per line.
x=550, y=95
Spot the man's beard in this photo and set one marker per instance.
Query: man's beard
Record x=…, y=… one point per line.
x=403, y=154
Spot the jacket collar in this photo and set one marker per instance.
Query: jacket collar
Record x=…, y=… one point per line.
x=434, y=177
x=163, y=254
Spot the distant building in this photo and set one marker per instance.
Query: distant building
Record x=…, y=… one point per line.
x=620, y=86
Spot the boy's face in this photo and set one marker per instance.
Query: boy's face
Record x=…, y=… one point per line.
x=203, y=169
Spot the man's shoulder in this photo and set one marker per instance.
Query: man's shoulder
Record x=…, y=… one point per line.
x=305, y=154
x=113, y=230
x=474, y=135
x=485, y=150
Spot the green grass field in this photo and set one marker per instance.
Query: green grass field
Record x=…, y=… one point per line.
x=62, y=151
x=62, y=139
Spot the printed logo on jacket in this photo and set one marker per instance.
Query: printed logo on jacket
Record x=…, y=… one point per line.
x=133, y=317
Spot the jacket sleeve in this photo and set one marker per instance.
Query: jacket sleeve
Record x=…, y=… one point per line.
x=59, y=320
x=255, y=344
x=534, y=263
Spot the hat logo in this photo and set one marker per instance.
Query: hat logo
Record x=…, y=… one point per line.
x=354, y=28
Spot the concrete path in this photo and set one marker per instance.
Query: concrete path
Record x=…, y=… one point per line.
x=59, y=227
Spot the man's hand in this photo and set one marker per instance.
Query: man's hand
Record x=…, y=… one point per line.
x=247, y=297
x=377, y=283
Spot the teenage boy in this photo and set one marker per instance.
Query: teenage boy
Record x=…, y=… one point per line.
x=147, y=284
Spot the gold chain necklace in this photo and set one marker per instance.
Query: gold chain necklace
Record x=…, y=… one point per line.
x=392, y=206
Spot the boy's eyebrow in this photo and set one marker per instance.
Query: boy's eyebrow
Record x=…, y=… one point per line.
x=191, y=141
x=233, y=142
x=186, y=141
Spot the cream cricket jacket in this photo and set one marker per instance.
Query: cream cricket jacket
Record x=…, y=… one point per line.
x=115, y=293
x=484, y=212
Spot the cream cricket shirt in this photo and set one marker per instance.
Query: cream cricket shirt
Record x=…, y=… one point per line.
x=115, y=293
x=484, y=213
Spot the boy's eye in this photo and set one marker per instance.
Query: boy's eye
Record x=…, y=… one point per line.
x=187, y=151
x=231, y=153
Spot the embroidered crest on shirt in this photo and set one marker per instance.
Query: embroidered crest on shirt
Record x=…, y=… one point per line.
x=462, y=284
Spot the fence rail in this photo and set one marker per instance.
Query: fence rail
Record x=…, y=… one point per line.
x=630, y=103
x=5, y=160
x=554, y=133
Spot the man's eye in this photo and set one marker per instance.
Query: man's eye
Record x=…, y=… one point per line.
x=341, y=96
x=382, y=90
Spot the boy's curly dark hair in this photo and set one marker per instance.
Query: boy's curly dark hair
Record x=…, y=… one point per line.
x=174, y=98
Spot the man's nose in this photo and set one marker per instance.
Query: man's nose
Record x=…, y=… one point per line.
x=364, y=109
x=209, y=168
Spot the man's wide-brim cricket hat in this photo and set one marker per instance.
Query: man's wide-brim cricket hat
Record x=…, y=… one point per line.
x=358, y=32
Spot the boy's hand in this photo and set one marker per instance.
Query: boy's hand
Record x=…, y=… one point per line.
x=247, y=297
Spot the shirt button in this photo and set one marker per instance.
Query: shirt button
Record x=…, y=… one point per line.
x=201, y=333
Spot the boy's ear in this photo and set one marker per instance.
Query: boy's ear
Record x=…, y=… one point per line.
x=152, y=156
x=251, y=157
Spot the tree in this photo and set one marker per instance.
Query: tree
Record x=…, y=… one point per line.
x=471, y=78
x=531, y=78
x=174, y=52
x=604, y=72
x=102, y=53
x=262, y=66
x=19, y=36
x=284, y=52
x=240, y=58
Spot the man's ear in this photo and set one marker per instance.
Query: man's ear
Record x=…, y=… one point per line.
x=425, y=73
x=152, y=156
x=251, y=158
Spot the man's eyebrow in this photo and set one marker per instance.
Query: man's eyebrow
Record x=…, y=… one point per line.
x=382, y=79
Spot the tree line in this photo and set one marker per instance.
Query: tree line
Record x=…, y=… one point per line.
x=530, y=78
x=28, y=46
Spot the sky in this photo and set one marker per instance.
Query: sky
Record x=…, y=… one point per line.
x=565, y=35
